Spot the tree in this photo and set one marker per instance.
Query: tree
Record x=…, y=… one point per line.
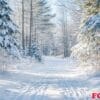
x=40, y=25
x=23, y=33
x=88, y=48
x=69, y=12
x=43, y=26
x=7, y=30
x=31, y=26
x=35, y=25
x=35, y=52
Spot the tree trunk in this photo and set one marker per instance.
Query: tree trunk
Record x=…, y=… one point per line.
x=23, y=34
x=31, y=26
x=65, y=36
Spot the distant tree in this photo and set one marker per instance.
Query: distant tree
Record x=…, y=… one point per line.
x=44, y=26
x=35, y=52
x=23, y=29
x=40, y=25
x=31, y=26
x=68, y=28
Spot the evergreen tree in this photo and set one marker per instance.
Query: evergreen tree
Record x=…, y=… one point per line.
x=88, y=48
x=45, y=26
x=42, y=25
x=35, y=52
x=7, y=30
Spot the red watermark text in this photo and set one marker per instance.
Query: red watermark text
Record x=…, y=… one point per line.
x=96, y=96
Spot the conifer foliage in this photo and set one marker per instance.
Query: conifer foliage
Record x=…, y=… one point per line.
x=35, y=52
x=88, y=48
x=7, y=30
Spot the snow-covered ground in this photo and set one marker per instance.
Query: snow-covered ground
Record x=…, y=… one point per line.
x=54, y=79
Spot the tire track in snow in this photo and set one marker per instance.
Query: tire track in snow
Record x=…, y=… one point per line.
x=42, y=87
x=71, y=92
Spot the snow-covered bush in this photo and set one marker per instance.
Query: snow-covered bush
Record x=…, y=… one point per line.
x=35, y=52
x=6, y=61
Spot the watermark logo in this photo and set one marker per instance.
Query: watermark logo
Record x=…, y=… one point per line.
x=96, y=96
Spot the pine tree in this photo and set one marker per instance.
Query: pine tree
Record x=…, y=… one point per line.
x=40, y=25
x=35, y=52
x=7, y=30
x=45, y=26
x=88, y=48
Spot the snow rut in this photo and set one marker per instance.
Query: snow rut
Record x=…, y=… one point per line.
x=51, y=81
x=47, y=89
x=52, y=89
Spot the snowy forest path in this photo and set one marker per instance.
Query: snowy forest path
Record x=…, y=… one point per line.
x=55, y=80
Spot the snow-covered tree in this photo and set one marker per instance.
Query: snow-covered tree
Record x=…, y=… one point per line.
x=88, y=48
x=34, y=19
x=7, y=30
x=69, y=19
x=35, y=52
x=40, y=25
x=43, y=25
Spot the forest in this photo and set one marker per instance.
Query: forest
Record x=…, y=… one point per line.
x=46, y=46
x=36, y=28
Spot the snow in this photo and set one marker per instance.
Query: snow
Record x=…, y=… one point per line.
x=93, y=23
x=53, y=79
